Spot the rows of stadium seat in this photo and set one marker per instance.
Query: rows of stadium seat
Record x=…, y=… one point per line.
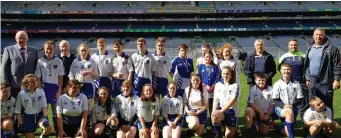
x=158, y=7
x=153, y=26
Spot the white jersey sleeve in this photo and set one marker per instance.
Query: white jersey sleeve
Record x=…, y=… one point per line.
x=235, y=92
x=84, y=100
x=164, y=106
x=157, y=107
x=276, y=91
x=43, y=101
x=60, y=68
x=299, y=91
x=38, y=72
x=59, y=107
x=18, y=105
x=205, y=96
x=251, y=98
x=113, y=110
x=153, y=63
x=130, y=65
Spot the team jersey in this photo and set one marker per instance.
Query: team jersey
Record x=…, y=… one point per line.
x=262, y=99
x=103, y=63
x=68, y=106
x=209, y=75
x=182, y=69
x=144, y=65
x=147, y=109
x=225, y=93
x=311, y=114
x=287, y=92
x=296, y=62
x=49, y=70
x=233, y=62
x=125, y=108
x=122, y=64
x=30, y=103
x=162, y=65
x=194, y=100
x=172, y=105
x=79, y=66
x=99, y=112
x=7, y=107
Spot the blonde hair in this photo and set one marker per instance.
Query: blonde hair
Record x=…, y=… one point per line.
x=314, y=99
x=83, y=45
x=26, y=81
x=141, y=40
x=101, y=40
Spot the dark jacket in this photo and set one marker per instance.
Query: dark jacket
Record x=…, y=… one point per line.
x=330, y=67
x=270, y=69
x=67, y=61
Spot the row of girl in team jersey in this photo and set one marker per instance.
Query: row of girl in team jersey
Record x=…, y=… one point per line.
x=127, y=111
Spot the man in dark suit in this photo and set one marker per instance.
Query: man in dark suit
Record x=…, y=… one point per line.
x=17, y=61
x=67, y=59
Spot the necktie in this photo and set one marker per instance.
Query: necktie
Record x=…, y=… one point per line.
x=22, y=53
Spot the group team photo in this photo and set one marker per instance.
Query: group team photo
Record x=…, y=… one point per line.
x=134, y=96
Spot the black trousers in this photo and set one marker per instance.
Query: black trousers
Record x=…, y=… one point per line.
x=304, y=105
x=324, y=91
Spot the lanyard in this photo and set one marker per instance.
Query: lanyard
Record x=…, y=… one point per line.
x=185, y=62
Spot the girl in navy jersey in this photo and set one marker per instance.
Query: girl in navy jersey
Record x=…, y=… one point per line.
x=209, y=72
x=31, y=108
x=172, y=110
x=126, y=104
x=85, y=70
x=72, y=112
x=104, y=112
x=148, y=111
x=196, y=103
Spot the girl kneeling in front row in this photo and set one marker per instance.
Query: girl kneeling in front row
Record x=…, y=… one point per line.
x=72, y=112
x=126, y=104
x=196, y=103
x=104, y=112
x=33, y=103
x=226, y=95
x=148, y=111
x=172, y=110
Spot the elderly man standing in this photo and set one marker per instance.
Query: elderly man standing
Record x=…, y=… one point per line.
x=67, y=59
x=259, y=61
x=323, y=69
x=17, y=61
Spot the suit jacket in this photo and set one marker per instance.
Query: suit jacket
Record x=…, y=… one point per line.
x=13, y=67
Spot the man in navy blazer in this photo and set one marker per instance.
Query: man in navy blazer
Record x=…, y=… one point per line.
x=17, y=61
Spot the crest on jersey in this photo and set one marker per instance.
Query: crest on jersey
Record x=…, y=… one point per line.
x=65, y=103
x=230, y=92
x=107, y=62
x=39, y=98
x=164, y=62
x=8, y=107
x=89, y=66
x=147, y=62
x=132, y=104
x=79, y=103
x=55, y=66
x=76, y=66
x=123, y=63
x=26, y=100
x=294, y=89
x=269, y=96
x=177, y=104
x=82, y=66
x=154, y=106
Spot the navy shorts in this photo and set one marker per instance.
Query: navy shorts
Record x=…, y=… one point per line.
x=88, y=90
x=172, y=118
x=139, y=82
x=71, y=129
x=116, y=87
x=31, y=121
x=161, y=87
x=230, y=118
x=148, y=125
x=278, y=113
x=202, y=117
x=50, y=92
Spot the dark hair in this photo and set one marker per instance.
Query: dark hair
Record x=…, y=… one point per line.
x=71, y=83
x=212, y=61
x=184, y=46
x=115, y=42
x=261, y=75
x=293, y=40
x=206, y=46
x=4, y=85
x=201, y=89
x=233, y=74
x=160, y=39
x=143, y=97
x=108, y=102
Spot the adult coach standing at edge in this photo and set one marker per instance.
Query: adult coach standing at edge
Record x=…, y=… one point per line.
x=323, y=68
x=259, y=61
x=17, y=61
